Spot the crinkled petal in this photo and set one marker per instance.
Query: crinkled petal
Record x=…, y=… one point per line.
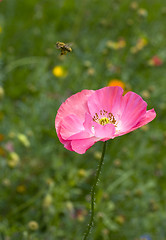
x=108, y=99
x=76, y=104
x=88, y=122
x=104, y=132
x=82, y=145
x=67, y=144
x=148, y=117
x=70, y=126
x=133, y=108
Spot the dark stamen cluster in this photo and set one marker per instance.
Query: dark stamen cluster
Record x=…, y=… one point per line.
x=104, y=113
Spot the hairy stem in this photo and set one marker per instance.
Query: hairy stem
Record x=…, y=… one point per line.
x=93, y=193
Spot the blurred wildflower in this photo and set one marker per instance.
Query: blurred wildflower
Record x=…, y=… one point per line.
x=120, y=219
x=0, y=29
x=97, y=154
x=1, y=92
x=116, y=82
x=134, y=5
x=23, y=139
x=142, y=12
x=82, y=172
x=33, y=225
x=87, y=63
x=117, y=163
x=21, y=189
x=9, y=146
x=47, y=201
x=59, y=71
x=6, y=182
x=145, y=237
x=145, y=94
x=50, y=181
x=155, y=61
x=121, y=43
x=116, y=45
x=13, y=159
x=80, y=214
x=91, y=71
x=141, y=43
x=69, y=206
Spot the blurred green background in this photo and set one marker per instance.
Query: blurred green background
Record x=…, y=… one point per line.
x=45, y=189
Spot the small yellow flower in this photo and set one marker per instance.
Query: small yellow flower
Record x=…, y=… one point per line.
x=134, y=5
x=120, y=219
x=6, y=182
x=47, y=201
x=142, y=12
x=112, y=45
x=13, y=160
x=141, y=43
x=116, y=82
x=21, y=189
x=82, y=172
x=69, y=206
x=121, y=43
x=97, y=154
x=1, y=92
x=33, y=225
x=0, y=29
x=116, y=45
x=91, y=71
x=145, y=94
x=59, y=71
x=23, y=139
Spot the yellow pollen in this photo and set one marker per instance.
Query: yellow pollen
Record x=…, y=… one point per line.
x=103, y=121
x=104, y=118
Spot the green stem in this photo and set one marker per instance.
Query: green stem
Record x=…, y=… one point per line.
x=93, y=193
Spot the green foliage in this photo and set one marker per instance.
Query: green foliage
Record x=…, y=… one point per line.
x=45, y=189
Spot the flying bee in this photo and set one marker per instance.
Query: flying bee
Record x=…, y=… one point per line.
x=64, y=47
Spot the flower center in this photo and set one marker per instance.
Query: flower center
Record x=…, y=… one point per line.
x=103, y=121
x=104, y=118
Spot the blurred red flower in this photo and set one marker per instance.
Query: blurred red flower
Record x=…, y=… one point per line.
x=155, y=61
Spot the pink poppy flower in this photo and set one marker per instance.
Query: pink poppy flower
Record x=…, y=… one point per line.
x=91, y=116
